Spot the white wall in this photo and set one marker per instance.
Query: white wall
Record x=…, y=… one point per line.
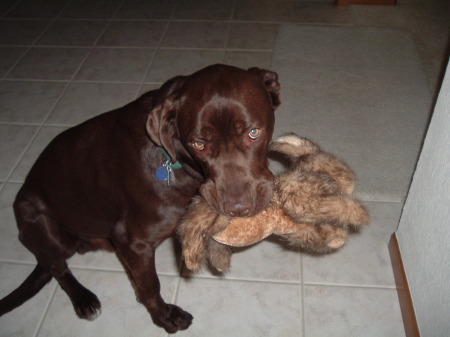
x=424, y=230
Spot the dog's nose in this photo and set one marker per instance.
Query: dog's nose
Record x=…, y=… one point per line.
x=237, y=207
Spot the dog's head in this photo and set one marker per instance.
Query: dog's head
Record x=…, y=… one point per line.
x=219, y=121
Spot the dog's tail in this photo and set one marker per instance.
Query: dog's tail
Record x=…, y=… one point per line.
x=30, y=287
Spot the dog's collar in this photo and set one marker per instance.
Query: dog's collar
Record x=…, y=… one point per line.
x=165, y=170
x=176, y=165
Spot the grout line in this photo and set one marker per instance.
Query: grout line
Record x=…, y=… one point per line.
x=157, y=47
x=245, y=280
x=77, y=81
x=34, y=124
x=303, y=333
x=45, y=311
x=292, y=282
x=348, y=285
x=177, y=291
x=12, y=8
x=368, y=198
x=17, y=262
x=227, y=39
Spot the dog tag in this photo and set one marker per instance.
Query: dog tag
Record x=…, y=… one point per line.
x=162, y=173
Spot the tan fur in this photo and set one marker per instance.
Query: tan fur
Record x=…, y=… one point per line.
x=311, y=208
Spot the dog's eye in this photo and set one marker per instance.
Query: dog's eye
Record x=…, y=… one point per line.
x=200, y=146
x=254, y=133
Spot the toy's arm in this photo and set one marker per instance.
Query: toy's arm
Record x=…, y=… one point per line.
x=312, y=238
x=247, y=231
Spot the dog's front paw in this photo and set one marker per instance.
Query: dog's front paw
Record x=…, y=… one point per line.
x=173, y=318
x=87, y=306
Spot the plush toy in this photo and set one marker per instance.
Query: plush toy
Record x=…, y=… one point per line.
x=311, y=208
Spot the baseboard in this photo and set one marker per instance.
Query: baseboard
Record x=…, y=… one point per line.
x=365, y=2
x=404, y=295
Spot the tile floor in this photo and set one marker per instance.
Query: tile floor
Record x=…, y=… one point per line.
x=63, y=61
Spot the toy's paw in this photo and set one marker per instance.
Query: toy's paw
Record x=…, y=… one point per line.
x=357, y=214
x=193, y=261
x=338, y=239
x=219, y=256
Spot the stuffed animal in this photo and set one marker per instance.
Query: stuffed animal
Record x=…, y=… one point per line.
x=311, y=208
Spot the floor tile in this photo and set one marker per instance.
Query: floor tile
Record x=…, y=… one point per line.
x=291, y=11
x=24, y=320
x=168, y=257
x=196, y=35
x=133, y=34
x=352, y=312
x=173, y=62
x=21, y=32
x=204, y=10
x=230, y=308
x=121, y=314
x=252, y=36
x=27, y=102
x=49, y=63
x=364, y=259
x=13, y=141
x=8, y=57
x=380, y=100
x=72, y=33
x=146, y=87
x=268, y=260
x=38, y=8
x=43, y=138
x=147, y=9
x=427, y=20
x=114, y=64
x=248, y=59
x=82, y=101
x=92, y=9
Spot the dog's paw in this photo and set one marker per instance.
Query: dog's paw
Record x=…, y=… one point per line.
x=173, y=318
x=87, y=306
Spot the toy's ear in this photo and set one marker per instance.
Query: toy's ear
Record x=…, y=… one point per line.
x=270, y=81
x=293, y=145
x=161, y=119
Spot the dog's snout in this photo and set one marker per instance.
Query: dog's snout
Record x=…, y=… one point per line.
x=237, y=206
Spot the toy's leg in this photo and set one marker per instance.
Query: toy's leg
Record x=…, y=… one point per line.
x=314, y=198
x=219, y=255
x=317, y=239
x=195, y=231
x=343, y=211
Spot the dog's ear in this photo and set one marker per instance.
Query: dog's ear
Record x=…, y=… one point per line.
x=270, y=81
x=160, y=122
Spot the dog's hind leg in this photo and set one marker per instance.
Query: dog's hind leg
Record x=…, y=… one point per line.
x=52, y=246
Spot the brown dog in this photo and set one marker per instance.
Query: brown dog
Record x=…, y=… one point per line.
x=121, y=181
